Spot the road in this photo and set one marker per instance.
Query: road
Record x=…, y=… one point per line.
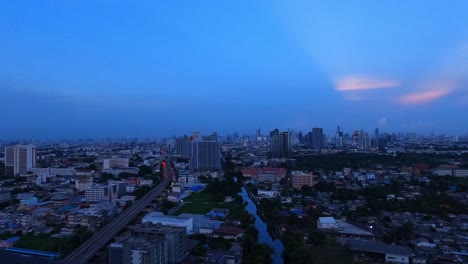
x=91, y=246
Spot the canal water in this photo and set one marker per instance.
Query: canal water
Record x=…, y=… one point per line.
x=263, y=235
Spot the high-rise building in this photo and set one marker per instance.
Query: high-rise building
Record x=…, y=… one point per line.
x=182, y=146
x=301, y=138
x=205, y=153
x=411, y=136
x=19, y=159
x=280, y=144
x=212, y=137
x=316, y=138
x=339, y=138
x=363, y=140
x=176, y=238
x=258, y=135
x=138, y=250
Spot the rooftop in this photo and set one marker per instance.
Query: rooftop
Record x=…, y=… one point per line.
x=377, y=247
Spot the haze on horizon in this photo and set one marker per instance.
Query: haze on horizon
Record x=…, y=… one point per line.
x=79, y=69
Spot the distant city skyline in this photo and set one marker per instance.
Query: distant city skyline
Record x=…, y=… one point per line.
x=329, y=134
x=102, y=69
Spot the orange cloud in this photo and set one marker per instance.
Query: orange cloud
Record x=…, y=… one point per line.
x=423, y=97
x=353, y=83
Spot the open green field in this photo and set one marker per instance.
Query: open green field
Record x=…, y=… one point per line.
x=198, y=203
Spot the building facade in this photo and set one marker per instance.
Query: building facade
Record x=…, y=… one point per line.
x=271, y=174
x=118, y=163
x=83, y=183
x=138, y=250
x=182, y=146
x=19, y=159
x=280, y=144
x=205, y=153
x=176, y=238
x=108, y=193
x=316, y=138
x=300, y=179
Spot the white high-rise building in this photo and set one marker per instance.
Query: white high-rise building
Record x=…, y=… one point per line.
x=19, y=159
x=205, y=153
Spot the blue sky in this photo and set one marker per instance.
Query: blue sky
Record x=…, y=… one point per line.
x=75, y=69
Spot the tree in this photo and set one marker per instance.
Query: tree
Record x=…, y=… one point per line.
x=128, y=204
x=261, y=254
x=291, y=242
x=316, y=238
x=140, y=192
x=405, y=232
x=307, y=190
x=302, y=255
x=124, y=175
x=106, y=176
x=144, y=170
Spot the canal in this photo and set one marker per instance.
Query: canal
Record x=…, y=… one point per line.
x=263, y=235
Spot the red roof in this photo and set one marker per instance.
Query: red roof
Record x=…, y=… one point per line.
x=229, y=230
x=277, y=170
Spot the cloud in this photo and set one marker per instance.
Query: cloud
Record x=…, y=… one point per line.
x=436, y=91
x=353, y=83
x=464, y=48
x=383, y=121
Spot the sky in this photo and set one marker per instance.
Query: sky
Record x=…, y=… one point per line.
x=108, y=68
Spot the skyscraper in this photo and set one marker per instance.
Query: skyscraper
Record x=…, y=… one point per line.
x=182, y=145
x=280, y=144
x=316, y=139
x=258, y=135
x=205, y=153
x=339, y=138
x=301, y=138
x=19, y=159
x=363, y=140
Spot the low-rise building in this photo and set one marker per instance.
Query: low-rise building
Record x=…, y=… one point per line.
x=5, y=196
x=60, y=201
x=326, y=223
x=83, y=183
x=31, y=201
x=380, y=252
x=300, y=178
x=160, y=218
x=98, y=193
x=116, y=163
x=271, y=174
x=229, y=232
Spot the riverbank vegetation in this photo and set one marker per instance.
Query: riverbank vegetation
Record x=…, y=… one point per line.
x=214, y=196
